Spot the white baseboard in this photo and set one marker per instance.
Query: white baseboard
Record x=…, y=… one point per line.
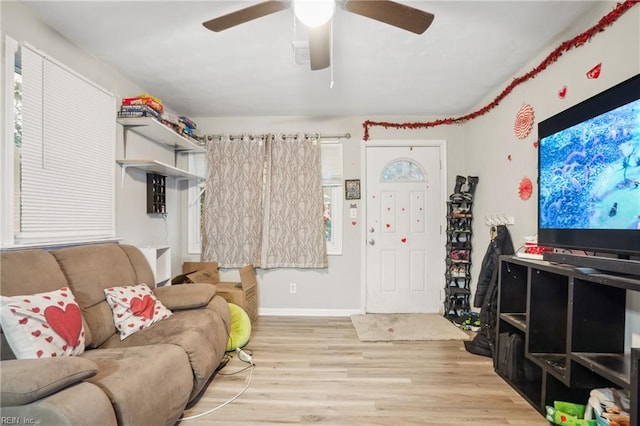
x=295, y=312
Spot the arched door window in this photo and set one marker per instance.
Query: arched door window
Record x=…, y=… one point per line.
x=403, y=170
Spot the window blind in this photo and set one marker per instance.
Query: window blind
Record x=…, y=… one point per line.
x=331, y=153
x=68, y=154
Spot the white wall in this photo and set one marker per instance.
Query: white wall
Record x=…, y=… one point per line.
x=133, y=224
x=336, y=290
x=490, y=138
x=479, y=147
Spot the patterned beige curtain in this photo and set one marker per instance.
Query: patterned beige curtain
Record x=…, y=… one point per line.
x=264, y=202
x=293, y=227
x=232, y=209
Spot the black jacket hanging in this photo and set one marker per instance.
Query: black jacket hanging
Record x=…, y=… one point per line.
x=486, y=296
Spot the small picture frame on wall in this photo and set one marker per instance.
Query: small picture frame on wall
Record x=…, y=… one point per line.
x=352, y=189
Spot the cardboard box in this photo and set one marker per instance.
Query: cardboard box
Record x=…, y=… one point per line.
x=244, y=293
x=198, y=272
x=188, y=267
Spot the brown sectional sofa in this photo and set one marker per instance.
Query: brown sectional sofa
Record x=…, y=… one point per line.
x=147, y=378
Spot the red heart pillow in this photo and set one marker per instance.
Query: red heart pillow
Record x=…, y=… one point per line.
x=135, y=308
x=43, y=325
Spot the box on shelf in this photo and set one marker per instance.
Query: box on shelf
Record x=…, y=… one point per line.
x=129, y=111
x=153, y=103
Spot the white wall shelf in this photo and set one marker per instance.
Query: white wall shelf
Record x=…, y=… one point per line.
x=159, y=258
x=159, y=168
x=152, y=129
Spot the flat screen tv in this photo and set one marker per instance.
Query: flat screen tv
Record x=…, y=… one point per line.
x=589, y=174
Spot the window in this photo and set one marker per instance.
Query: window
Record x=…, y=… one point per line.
x=195, y=195
x=403, y=171
x=59, y=168
x=17, y=141
x=332, y=189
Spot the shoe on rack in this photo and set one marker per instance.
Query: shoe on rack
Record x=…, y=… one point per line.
x=468, y=193
x=451, y=314
x=457, y=190
x=457, y=272
x=459, y=213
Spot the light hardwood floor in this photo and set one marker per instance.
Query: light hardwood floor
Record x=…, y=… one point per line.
x=315, y=370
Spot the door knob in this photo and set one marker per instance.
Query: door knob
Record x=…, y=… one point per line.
x=372, y=242
x=372, y=229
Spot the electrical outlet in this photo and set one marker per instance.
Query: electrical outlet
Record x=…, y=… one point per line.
x=293, y=288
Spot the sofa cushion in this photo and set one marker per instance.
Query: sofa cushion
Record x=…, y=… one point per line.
x=147, y=385
x=201, y=333
x=81, y=404
x=177, y=297
x=90, y=269
x=43, y=325
x=29, y=272
x=140, y=264
x=134, y=308
x=29, y=380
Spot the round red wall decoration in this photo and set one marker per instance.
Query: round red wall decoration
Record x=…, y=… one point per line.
x=525, y=188
x=524, y=121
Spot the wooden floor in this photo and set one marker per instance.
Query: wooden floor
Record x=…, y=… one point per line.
x=315, y=370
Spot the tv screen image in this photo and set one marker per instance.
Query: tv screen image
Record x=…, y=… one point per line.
x=590, y=173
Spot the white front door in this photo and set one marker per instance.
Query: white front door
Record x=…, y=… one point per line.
x=404, y=252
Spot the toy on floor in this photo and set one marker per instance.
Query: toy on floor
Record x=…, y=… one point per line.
x=609, y=406
x=567, y=414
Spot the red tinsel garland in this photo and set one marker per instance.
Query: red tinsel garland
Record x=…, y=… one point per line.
x=577, y=41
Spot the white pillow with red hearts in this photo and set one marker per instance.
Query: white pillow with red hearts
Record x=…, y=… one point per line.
x=43, y=325
x=135, y=308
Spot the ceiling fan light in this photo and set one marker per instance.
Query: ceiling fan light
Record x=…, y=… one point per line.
x=314, y=13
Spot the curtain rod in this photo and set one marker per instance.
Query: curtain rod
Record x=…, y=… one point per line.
x=342, y=136
x=284, y=136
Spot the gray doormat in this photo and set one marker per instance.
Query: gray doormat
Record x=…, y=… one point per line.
x=388, y=327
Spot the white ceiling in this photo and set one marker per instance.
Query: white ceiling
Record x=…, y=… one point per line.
x=470, y=51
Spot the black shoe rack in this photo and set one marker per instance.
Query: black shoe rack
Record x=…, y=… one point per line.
x=156, y=193
x=458, y=260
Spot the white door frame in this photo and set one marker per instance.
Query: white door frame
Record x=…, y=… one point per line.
x=442, y=144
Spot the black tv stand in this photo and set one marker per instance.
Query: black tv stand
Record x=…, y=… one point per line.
x=605, y=264
x=572, y=328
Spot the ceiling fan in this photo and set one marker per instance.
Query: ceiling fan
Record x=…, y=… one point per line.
x=317, y=14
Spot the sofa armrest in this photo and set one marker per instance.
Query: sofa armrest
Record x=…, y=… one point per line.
x=187, y=296
x=28, y=380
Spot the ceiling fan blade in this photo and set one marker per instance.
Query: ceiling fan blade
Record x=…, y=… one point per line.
x=245, y=15
x=392, y=13
x=320, y=46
